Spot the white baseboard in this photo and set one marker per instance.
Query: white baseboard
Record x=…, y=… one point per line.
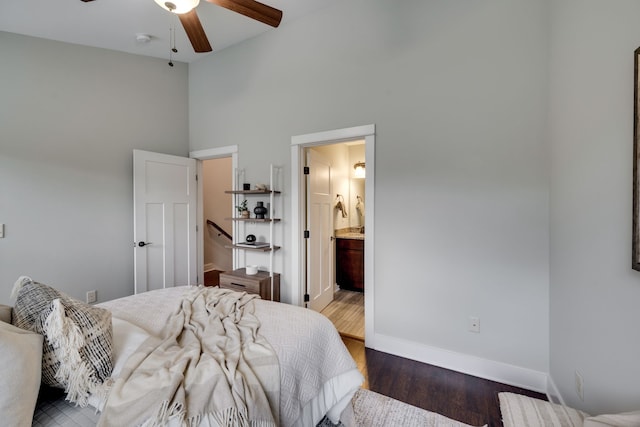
x=553, y=394
x=467, y=364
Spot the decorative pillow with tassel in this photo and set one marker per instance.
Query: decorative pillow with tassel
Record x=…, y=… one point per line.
x=78, y=339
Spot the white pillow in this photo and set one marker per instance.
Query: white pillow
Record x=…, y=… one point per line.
x=127, y=337
x=20, y=361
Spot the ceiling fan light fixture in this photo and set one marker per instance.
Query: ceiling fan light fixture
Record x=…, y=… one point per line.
x=143, y=38
x=178, y=6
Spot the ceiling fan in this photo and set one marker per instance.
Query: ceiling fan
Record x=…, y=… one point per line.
x=185, y=9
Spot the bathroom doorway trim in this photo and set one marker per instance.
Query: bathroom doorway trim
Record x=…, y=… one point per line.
x=298, y=267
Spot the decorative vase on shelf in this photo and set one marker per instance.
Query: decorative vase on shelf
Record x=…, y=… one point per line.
x=260, y=210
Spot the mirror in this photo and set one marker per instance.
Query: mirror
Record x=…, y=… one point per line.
x=635, y=251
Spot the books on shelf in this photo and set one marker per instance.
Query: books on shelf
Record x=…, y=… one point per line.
x=253, y=244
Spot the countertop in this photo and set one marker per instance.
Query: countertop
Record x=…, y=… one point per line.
x=349, y=234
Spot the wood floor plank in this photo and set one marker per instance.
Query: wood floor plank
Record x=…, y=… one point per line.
x=346, y=312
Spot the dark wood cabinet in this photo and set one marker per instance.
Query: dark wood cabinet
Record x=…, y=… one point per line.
x=350, y=264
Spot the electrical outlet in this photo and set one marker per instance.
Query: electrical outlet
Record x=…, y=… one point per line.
x=474, y=324
x=92, y=296
x=579, y=385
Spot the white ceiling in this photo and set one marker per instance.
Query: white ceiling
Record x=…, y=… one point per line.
x=113, y=24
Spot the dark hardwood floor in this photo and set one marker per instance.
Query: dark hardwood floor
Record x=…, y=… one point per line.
x=464, y=398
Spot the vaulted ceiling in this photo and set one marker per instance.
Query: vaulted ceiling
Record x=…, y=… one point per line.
x=114, y=24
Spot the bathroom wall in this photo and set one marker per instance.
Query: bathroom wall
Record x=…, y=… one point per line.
x=342, y=157
x=338, y=155
x=356, y=187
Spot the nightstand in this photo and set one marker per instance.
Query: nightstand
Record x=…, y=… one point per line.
x=260, y=283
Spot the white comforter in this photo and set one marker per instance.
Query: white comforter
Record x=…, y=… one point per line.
x=317, y=374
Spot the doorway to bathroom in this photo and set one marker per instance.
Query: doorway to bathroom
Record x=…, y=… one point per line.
x=343, y=178
x=299, y=182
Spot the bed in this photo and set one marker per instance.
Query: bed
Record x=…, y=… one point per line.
x=317, y=375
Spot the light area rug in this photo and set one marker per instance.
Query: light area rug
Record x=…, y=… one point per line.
x=372, y=409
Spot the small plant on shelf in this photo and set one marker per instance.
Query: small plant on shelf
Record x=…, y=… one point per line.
x=243, y=210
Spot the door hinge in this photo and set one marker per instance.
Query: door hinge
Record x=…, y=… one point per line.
x=306, y=170
x=197, y=229
x=306, y=234
x=306, y=297
x=196, y=177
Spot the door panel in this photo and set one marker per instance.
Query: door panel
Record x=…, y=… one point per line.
x=150, y=258
x=180, y=243
x=165, y=200
x=320, y=209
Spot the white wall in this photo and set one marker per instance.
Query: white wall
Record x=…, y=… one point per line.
x=70, y=117
x=594, y=293
x=458, y=93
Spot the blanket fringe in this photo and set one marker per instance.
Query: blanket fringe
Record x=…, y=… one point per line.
x=166, y=413
x=22, y=280
x=232, y=417
x=67, y=339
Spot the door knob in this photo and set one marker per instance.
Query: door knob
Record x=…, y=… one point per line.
x=143, y=244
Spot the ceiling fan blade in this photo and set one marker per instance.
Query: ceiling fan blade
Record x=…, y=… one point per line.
x=194, y=30
x=252, y=9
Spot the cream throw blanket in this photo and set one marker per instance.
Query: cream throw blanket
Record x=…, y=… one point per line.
x=211, y=364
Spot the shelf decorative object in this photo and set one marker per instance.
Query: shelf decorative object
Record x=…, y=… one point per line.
x=260, y=210
x=243, y=210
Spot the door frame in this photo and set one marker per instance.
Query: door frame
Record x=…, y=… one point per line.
x=207, y=154
x=298, y=188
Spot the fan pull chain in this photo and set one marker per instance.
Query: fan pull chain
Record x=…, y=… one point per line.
x=171, y=43
x=173, y=48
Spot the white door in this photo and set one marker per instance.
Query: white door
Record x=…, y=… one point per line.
x=320, y=224
x=164, y=225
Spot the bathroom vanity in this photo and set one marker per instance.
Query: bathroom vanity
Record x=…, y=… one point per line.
x=350, y=260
